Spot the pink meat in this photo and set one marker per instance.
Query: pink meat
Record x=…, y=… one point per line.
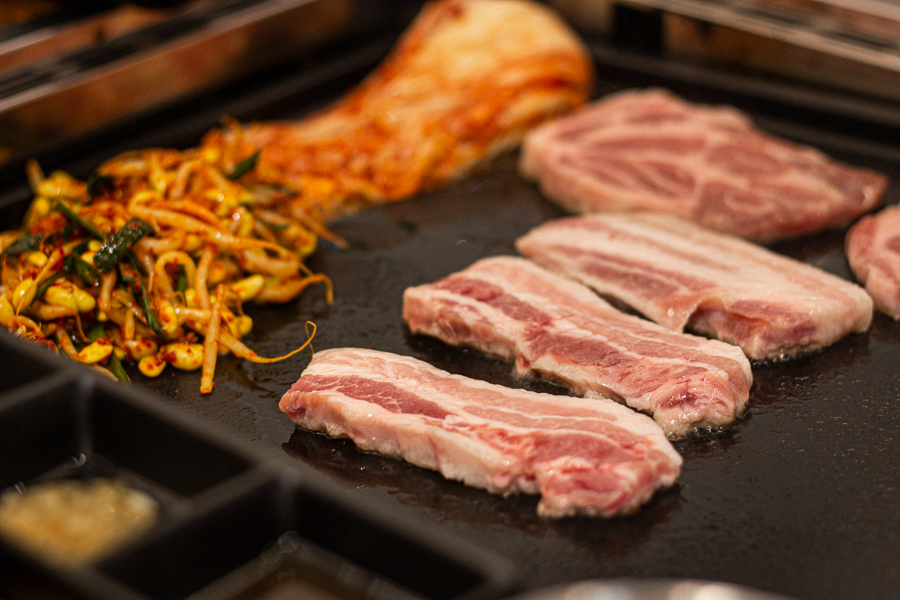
x=591, y=457
x=681, y=275
x=873, y=249
x=651, y=151
x=560, y=329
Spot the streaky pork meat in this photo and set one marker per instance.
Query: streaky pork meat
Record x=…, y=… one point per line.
x=873, y=250
x=560, y=329
x=684, y=276
x=649, y=150
x=591, y=457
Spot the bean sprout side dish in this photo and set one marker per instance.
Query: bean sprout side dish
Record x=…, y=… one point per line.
x=152, y=259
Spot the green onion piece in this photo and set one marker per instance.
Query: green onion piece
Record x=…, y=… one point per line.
x=137, y=265
x=151, y=318
x=276, y=227
x=78, y=266
x=137, y=288
x=97, y=184
x=66, y=232
x=265, y=193
x=115, y=367
x=286, y=191
x=73, y=216
x=119, y=243
x=27, y=243
x=244, y=167
x=97, y=332
x=45, y=285
x=181, y=282
x=129, y=275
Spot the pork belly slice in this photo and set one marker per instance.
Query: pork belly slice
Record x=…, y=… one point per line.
x=560, y=329
x=873, y=249
x=648, y=150
x=683, y=276
x=589, y=457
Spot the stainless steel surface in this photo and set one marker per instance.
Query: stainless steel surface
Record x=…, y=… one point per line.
x=44, y=39
x=823, y=30
x=662, y=589
x=852, y=44
x=59, y=99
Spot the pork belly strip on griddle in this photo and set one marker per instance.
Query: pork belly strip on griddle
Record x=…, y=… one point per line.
x=591, y=457
x=648, y=150
x=873, y=250
x=562, y=330
x=683, y=276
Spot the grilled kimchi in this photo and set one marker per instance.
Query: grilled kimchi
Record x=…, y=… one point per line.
x=464, y=84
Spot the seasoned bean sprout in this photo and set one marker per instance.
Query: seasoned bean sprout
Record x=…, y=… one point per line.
x=152, y=259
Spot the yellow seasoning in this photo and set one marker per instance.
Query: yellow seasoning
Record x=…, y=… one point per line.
x=70, y=523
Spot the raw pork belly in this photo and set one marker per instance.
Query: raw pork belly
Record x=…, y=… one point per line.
x=681, y=275
x=562, y=330
x=592, y=457
x=651, y=151
x=873, y=249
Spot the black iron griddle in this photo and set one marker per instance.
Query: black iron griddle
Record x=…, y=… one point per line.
x=798, y=497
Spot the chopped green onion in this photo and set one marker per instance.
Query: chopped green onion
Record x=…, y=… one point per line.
x=244, y=167
x=115, y=367
x=276, y=227
x=119, y=243
x=98, y=184
x=97, y=332
x=27, y=243
x=45, y=285
x=65, y=233
x=137, y=265
x=73, y=216
x=181, y=282
x=151, y=318
x=78, y=266
x=137, y=288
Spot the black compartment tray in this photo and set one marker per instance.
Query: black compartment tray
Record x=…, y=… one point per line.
x=799, y=497
x=230, y=519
